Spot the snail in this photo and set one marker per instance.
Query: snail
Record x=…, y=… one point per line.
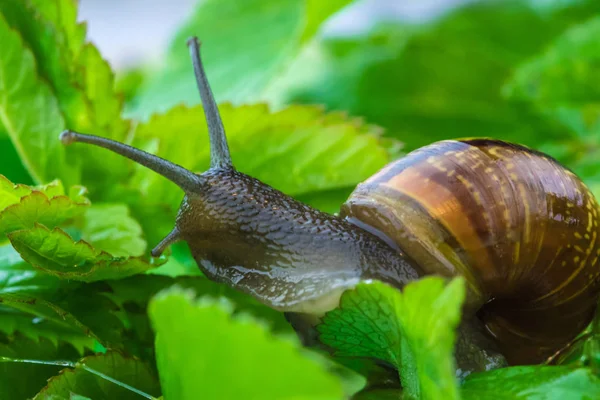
x=519, y=227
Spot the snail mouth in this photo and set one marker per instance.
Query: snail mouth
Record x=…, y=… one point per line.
x=313, y=293
x=320, y=305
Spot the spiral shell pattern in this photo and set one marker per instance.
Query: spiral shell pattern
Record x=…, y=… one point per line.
x=520, y=227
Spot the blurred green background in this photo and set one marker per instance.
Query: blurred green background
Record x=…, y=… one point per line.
x=415, y=71
x=315, y=96
x=520, y=70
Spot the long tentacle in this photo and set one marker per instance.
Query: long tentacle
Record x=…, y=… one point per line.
x=186, y=180
x=219, y=150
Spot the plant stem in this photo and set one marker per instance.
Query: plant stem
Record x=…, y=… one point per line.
x=71, y=364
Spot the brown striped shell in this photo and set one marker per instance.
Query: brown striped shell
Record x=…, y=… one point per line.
x=520, y=227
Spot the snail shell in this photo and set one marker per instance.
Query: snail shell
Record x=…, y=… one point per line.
x=521, y=228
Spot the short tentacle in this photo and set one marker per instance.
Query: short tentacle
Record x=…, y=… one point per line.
x=173, y=237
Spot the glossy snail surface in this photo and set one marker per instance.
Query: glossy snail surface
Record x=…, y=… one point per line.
x=517, y=225
x=521, y=228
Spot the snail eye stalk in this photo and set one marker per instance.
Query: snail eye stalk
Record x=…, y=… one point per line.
x=219, y=150
x=186, y=180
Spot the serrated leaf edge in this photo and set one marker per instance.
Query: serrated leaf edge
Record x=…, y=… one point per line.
x=100, y=255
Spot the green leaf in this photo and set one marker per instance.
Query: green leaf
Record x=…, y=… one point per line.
x=413, y=330
x=48, y=205
x=76, y=311
x=285, y=149
x=127, y=370
x=140, y=289
x=62, y=14
x=10, y=163
x=110, y=228
x=528, y=382
x=129, y=82
x=36, y=329
x=12, y=193
x=562, y=83
x=81, y=81
x=200, y=338
x=244, y=44
x=155, y=217
x=112, y=312
x=16, y=276
x=379, y=394
x=129, y=302
x=23, y=381
x=561, y=74
x=584, y=350
x=37, y=306
x=29, y=319
x=438, y=80
x=83, y=310
x=29, y=111
x=101, y=169
x=54, y=252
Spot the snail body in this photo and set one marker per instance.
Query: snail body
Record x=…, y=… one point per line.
x=286, y=254
x=517, y=225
